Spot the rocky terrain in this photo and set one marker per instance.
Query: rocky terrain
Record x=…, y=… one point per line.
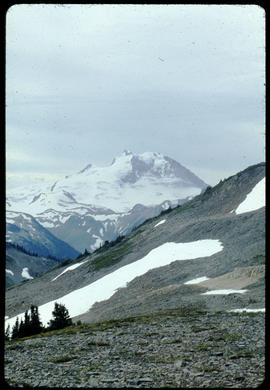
x=178, y=348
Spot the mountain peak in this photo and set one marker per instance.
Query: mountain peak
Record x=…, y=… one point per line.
x=121, y=156
x=127, y=152
x=148, y=178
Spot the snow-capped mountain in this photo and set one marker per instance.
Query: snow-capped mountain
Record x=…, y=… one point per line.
x=148, y=179
x=99, y=203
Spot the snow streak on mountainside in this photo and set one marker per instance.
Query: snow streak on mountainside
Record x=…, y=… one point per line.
x=162, y=255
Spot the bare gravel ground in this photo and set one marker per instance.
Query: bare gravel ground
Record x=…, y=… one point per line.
x=180, y=348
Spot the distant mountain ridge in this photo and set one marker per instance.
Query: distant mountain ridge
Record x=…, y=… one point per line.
x=23, y=229
x=99, y=203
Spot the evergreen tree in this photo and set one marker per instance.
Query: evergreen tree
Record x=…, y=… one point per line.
x=35, y=323
x=27, y=319
x=61, y=317
x=15, y=329
x=21, y=331
x=26, y=325
x=31, y=324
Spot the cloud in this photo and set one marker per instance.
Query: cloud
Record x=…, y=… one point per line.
x=85, y=82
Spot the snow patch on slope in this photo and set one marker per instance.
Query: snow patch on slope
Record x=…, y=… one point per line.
x=160, y=223
x=224, y=292
x=245, y=310
x=197, y=280
x=25, y=273
x=80, y=301
x=254, y=200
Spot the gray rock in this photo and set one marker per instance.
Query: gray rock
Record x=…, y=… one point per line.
x=160, y=365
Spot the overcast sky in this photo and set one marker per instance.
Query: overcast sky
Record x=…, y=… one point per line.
x=85, y=82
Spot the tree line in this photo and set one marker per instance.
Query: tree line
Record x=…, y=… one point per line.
x=28, y=252
x=32, y=325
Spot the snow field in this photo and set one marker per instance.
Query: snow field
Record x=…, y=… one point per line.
x=254, y=200
x=80, y=301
